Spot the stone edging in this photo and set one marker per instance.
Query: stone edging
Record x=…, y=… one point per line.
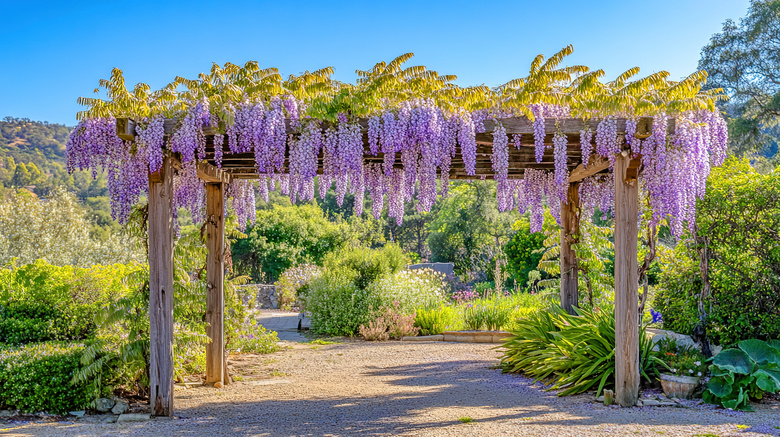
x=464, y=337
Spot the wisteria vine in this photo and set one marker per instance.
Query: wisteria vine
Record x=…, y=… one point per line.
x=287, y=150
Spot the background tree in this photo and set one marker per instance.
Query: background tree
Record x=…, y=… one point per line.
x=744, y=60
x=468, y=230
x=56, y=229
x=523, y=251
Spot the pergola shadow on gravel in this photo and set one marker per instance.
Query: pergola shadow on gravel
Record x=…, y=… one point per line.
x=414, y=389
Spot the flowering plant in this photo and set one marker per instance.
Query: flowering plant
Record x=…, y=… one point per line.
x=682, y=360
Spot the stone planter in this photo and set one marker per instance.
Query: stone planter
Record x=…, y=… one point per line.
x=681, y=387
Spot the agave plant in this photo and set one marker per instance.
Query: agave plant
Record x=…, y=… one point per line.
x=575, y=353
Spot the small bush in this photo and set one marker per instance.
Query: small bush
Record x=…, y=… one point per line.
x=435, y=320
x=367, y=264
x=337, y=305
x=38, y=377
x=389, y=323
x=376, y=330
x=254, y=338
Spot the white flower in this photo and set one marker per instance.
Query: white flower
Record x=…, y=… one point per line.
x=697, y=363
x=674, y=370
x=690, y=370
x=699, y=374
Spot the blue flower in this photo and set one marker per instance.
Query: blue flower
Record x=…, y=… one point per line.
x=657, y=318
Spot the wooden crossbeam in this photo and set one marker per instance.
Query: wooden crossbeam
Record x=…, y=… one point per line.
x=596, y=164
x=210, y=173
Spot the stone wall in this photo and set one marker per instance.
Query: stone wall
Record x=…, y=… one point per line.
x=259, y=296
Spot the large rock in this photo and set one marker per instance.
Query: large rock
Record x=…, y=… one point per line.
x=104, y=405
x=120, y=407
x=657, y=335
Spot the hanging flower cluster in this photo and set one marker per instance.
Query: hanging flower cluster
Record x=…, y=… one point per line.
x=287, y=150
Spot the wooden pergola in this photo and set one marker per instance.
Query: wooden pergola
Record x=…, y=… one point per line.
x=242, y=166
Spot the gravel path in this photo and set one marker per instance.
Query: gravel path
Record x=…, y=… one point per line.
x=394, y=388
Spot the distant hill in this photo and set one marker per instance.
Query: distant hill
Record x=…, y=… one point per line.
x=32, y=156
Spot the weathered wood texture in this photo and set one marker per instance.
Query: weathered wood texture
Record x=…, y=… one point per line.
x=596, y=164
x=570, y=229
x=626, y=284
x=215, y=275
x=161, y=290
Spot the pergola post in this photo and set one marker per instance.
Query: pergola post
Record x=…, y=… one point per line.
x=626, y=282
x=161, y=290
x=570, y=229
x=215, y=275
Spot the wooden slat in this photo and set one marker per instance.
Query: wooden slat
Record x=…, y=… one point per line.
x=215, y=275
x=626, y=285
x=210, y=173
x=596, y=164
x=570, y=229
x=161, y=290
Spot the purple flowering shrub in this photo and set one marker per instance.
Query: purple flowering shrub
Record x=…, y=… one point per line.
x=390, y=322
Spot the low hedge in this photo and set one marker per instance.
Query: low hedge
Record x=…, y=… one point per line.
x=37, y=377
x=42, y=302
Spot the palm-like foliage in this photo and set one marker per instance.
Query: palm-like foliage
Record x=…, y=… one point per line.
x=387, y=84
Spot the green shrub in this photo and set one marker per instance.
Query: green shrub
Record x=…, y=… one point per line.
x=435, y=320
x=576, y=353
x=523, y=251
x=744, y=373
x=337, y=305
x=38, y=377
x=358, y=282
x=367, y=264
x=737, y=222
x=42, y=302
x=409, y=289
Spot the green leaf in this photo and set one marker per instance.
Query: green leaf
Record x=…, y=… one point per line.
x=760, y=352
x=734, y=360
x=768, y=380
x=719, y=386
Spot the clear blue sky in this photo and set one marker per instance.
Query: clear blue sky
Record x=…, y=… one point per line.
x=54, y=52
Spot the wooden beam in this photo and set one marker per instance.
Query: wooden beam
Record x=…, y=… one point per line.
x=626, y=284
x=210, y=173
x=215, y=276
x=161, y=290
x=596, y=164
x=570, y=229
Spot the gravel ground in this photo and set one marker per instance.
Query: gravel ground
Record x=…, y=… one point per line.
x=394, y=388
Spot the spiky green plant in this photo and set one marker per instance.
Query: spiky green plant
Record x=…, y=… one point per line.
x=574, y=353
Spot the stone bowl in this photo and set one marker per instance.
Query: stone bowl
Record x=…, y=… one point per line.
x=681, y=387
